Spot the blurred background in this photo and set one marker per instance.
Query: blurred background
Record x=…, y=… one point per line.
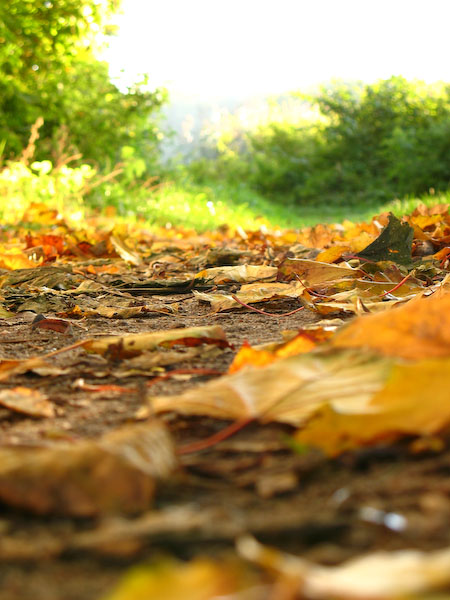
x=208, y=112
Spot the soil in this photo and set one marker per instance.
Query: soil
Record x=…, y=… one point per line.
x=325, y=510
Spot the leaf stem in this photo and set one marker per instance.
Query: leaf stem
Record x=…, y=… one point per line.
x=262, y=312
x=214, y=439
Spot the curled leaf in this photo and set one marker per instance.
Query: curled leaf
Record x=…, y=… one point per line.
x=132, y=345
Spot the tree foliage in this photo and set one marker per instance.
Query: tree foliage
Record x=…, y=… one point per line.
x=370, y=143
x=48, y=68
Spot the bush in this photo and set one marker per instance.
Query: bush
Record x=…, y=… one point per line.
x=369, y=143
x=49, y=69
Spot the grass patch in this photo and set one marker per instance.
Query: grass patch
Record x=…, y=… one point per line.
x=204, y=207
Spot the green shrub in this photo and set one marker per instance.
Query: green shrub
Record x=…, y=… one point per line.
x=366, y=144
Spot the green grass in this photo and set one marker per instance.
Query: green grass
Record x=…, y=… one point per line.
x=205, y=207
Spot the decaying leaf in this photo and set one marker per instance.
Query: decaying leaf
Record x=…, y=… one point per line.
x=251, y=293
x=289, y=390
x=412, y=401
x=200, y=579
x=27, y=401
x=378, y=576
x=418, y=329
x=132, y=345
x=238, y=274
x=394, y=243
x=117, y=473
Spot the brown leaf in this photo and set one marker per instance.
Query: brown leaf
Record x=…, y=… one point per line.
x=251, y=293
x=238, y=274
x=27, y=401
x=117, y=473
x=290, y=390
x=41, y=322
x=312, y=272
x=132, y=345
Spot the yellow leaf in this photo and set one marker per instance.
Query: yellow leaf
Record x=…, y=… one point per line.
x=200, y=579
x=238, y=274
x=132, y=345
x=413, y=401
x=418, y=329
x=251, y=293
x=289, y=390
x=331, y=255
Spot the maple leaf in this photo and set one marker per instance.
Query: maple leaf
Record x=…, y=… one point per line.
x=394, y=243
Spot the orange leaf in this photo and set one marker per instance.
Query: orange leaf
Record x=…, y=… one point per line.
x=26, y=401
x=332, y=254
x=418, y=329
x=414, y=401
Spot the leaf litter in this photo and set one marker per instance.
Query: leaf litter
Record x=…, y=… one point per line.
x=106, y=326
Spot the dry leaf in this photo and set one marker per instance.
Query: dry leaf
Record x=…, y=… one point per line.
x=117, y=473
x=289, y=390
x=132, y=345
x=415, y=330
x=376, y=576
x=251, y=293
x=312, y=272
x=199, y=579
x=238, y=274
x=10, y=368
x=26, y=401
x=124, y=251
x=412, y=401
x=300, y=343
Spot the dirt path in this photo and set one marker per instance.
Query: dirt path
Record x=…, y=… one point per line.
x=325, y=510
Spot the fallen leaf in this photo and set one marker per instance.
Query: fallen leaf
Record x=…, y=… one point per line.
x=394, y=243
x=304, y=341
x=238, y=274
x=312, y=273
x=251, y=293
x=124, y=251
x=199, y=579
x=132, y=345
x=413, y=400
x=11, y=367
x=332, y=254
x=117, y=473
x=377, y=576
x=41, y=322
x=27, y=401
x=289, y=390
x=418, y=329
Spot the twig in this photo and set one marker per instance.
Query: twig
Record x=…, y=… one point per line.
x=197, y=371
x=214, y=439
x=399, y=284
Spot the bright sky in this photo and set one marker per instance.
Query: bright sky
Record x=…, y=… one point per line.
x=214, y=48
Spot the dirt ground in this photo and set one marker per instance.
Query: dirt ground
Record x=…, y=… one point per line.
x=325, y=510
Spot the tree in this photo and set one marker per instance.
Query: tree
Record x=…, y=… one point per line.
x=48, y=68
